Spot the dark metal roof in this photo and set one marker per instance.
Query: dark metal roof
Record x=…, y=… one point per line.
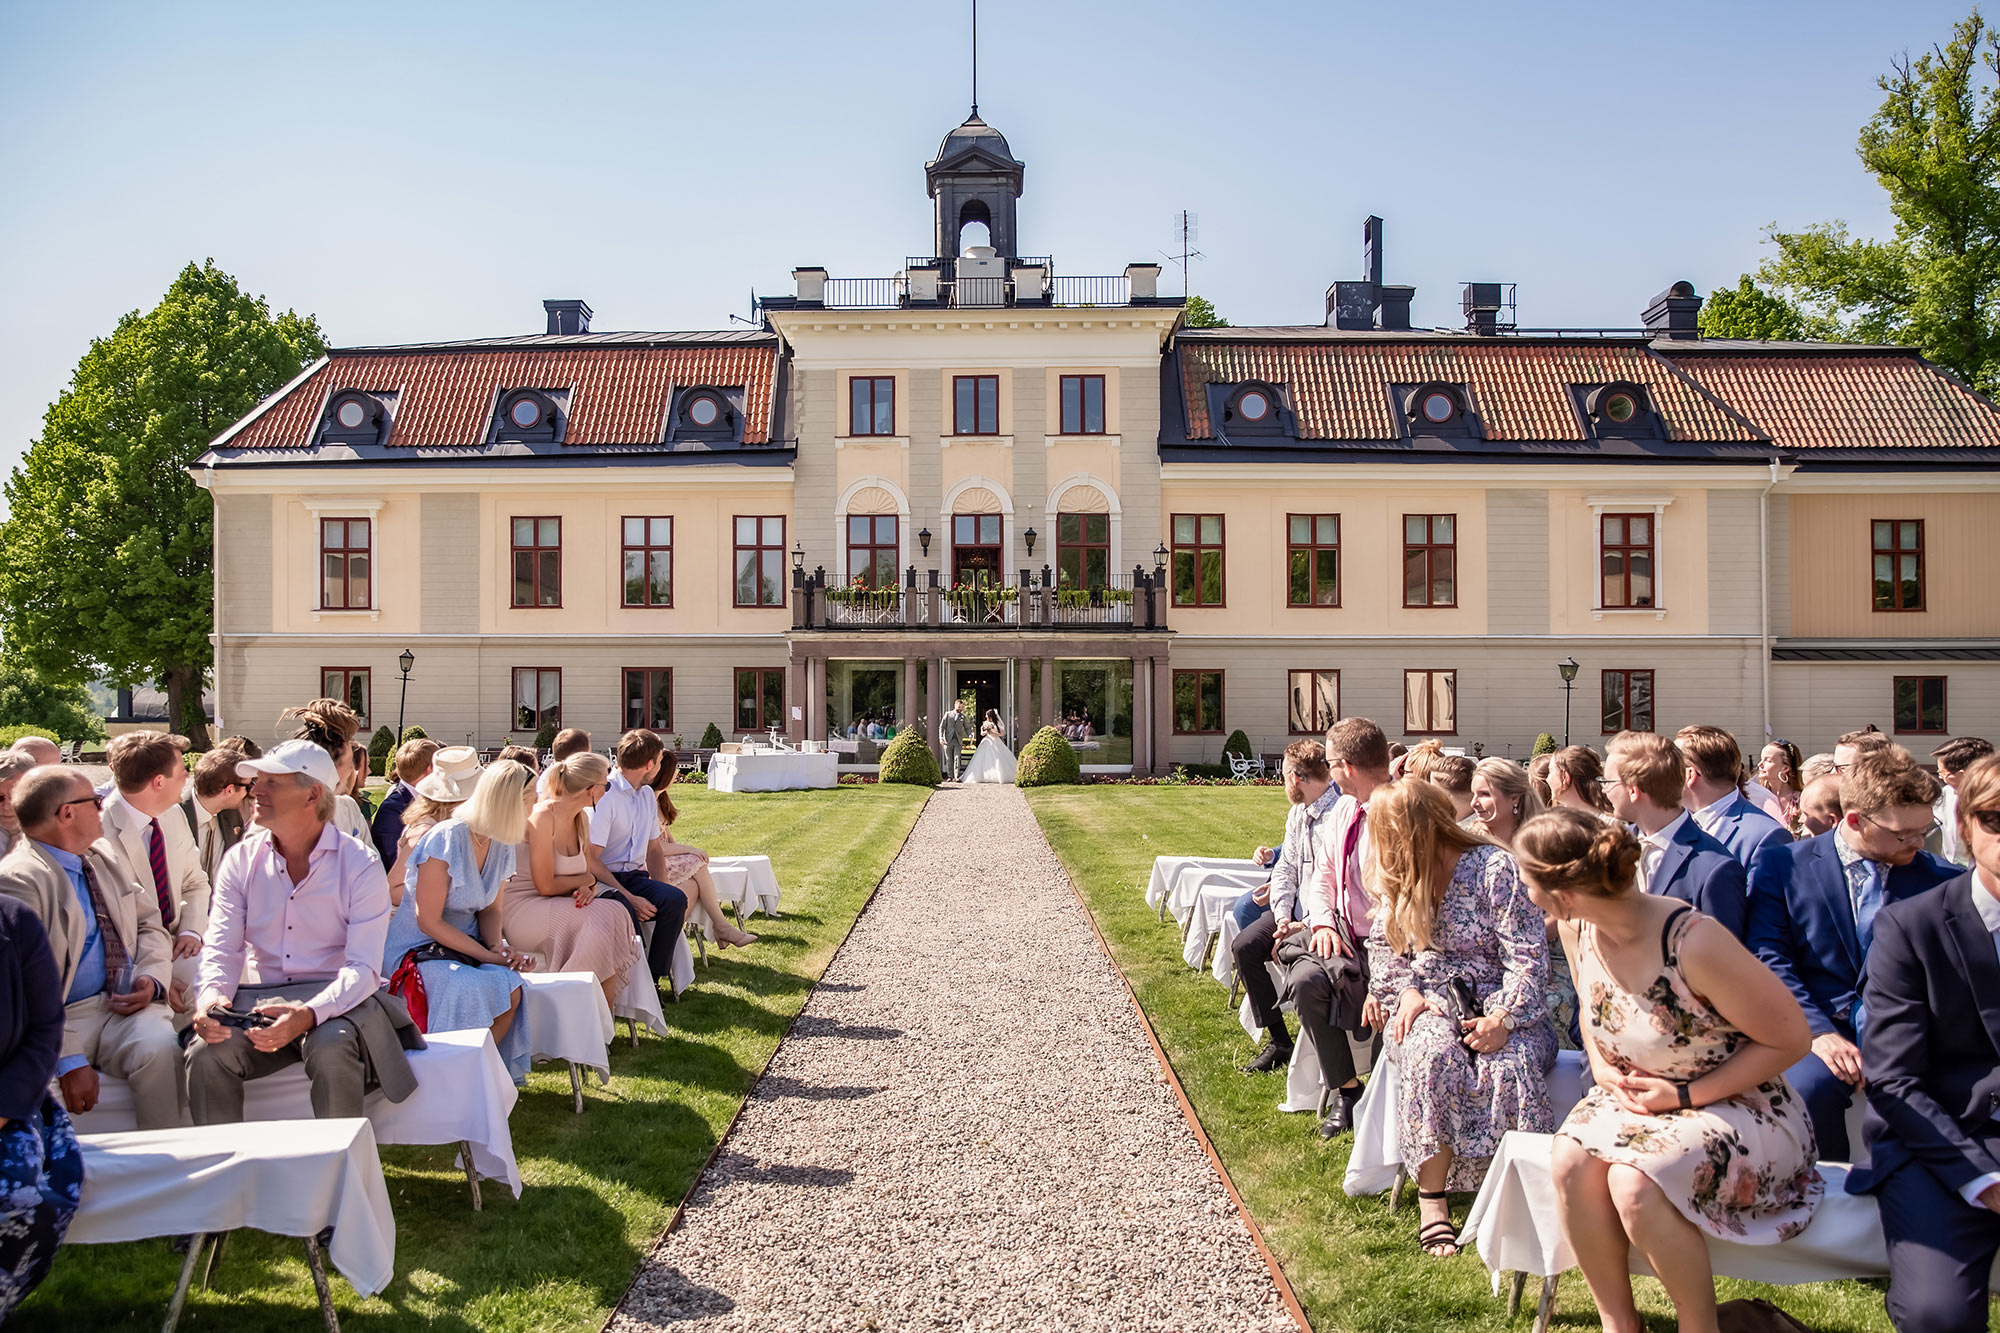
x=1904, y=650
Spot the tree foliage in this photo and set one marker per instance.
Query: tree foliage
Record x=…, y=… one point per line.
x=1748, y=311
x=1201, y=315
x=1934, y=145
x=105, y=559
x=64, y=708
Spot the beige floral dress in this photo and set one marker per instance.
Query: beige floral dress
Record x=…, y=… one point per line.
x=1740, y=1169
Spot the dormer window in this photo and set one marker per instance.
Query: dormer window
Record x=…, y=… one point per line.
x=529, y=416
x=1252, y=408
x=704, y=410
x=1619, y=409
x=706, y=413
x=1253, y=405
x=355, y=417
x=1437, y=408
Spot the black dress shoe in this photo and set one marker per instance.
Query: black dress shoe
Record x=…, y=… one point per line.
x=1339, y=1116
x=1270, y=1058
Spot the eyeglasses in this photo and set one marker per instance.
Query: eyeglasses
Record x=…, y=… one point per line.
x=1906, y=835
x=1986, y=819
x=1607, y=782
x=92, y=799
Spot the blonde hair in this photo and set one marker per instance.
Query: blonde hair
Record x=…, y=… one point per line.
x=1423, y=757
x=579, y=772
x=1411, y=825
x=1511, y=780
x=1571, y=851
x=495, y=810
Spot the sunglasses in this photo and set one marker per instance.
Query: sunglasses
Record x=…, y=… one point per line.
x=1986, y=819
x=92, y=799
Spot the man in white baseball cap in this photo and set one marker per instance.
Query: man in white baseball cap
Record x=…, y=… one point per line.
x=309, y=910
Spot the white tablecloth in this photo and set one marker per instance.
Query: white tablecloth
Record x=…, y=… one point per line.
x=463, y=1092
x=1211, y=898
x=286, y=1177
x=746, y=883
x=1164, y=883
x=774, y=770
x=1515, y=1225
x=568, y=1019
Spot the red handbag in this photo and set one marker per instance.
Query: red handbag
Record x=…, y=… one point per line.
x=407, y=985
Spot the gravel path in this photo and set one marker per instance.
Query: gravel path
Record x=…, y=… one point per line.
x=966, y=1129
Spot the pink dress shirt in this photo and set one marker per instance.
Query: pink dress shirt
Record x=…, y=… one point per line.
x=1335, y=897
x=331, y=926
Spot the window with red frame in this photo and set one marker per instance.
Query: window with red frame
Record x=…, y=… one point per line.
x=975, y=405
x=760, y=561
x=1430, y=560
x=344, y=564
x=1430, y=703
x=1312, y=554
x=1312, y=701
x=1626, y=562
x=350, y=685
x=871, y=405
x=1197, y=702
x=871, y=550
x=1628, y=700
x=1083, y=404
x=649, y=698
x=1899, y=564
x=1920, y=705
x=537, y=562
x=760, y=698
x=1197, y=559
x=649, y=561
x=537, y=698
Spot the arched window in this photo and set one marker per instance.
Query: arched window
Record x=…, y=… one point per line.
x=975, y=225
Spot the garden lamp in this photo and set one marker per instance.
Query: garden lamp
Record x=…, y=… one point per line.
x=1567, y=668
x=406, y=660
x=924, y=539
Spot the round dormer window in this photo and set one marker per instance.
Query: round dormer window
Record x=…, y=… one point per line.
x=351, y=414
x=1438, y=407
x=1254, y=406
x=704, y=411
x=1620, y=407
x=526, y=413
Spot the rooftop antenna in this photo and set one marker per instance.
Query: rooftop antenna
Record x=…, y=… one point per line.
x=1187, y=230
x=755, y=320
x=975, y=59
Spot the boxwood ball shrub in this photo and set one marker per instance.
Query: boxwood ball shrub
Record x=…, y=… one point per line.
x=909, y=760
x=711, y=739
x=1238, y=744
x=1544, y=744
x=413, y=732
x=1047, y=760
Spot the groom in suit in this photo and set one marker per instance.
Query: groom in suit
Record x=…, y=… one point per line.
x=951, y=734
x=1644, y=775
x=1932, y=1050
x=1813, y=907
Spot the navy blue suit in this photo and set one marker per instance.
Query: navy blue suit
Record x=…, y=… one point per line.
x=1699, y=871
x=1932, y=1054
x=388, y=825
x=1745, y=830
x=1802, y=926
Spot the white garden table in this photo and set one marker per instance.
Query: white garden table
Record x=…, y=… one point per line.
x=772, y=770
x=569, y=1020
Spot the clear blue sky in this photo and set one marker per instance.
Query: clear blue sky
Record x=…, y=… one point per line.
x=427, y=171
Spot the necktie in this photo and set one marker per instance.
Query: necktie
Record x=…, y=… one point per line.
x=1867, y=902
x=115, y=958
x=156, y=854
x=1351, y=891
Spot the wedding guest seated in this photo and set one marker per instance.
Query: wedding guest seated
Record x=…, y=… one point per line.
x=115, y=958
x=549, y=905
x=1575, y=774
x=623, y=825
x=454, y=772
x=356, y=788
x=40, y=749
x=1450, y=908
x=1421, y=761
x=1644, y=776
x=331, y=724
x=1819, y=805
x=1815, y=767
x=676, y=863
x=1850, y=747
x=243, y=745
x=302, y=908
x=1952, y=759
x=1309, y=787
x=1690, y=1130
x=14, y=765
x=219, y=800
x=1778, y=769
x=1714, y=794
x=41, y=1167
x=1453, y=772
x=447, y=930
x=411, y=763
x=568, y=741
x=1503, y=799
x=1812, y=916
x=1931, y=1046
x=153, y=838
x=1538, y=776
x=524, y=755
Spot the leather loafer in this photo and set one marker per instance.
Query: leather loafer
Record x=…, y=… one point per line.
x=1338, y=1120
x=1268, y=1059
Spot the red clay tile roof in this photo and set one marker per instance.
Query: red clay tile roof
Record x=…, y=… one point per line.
x=619, y=394
x=1847, y=398
x=1521, y=390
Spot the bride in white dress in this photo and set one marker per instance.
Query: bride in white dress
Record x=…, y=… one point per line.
x=992, y=761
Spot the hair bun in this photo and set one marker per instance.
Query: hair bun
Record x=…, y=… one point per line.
x=1614, y=853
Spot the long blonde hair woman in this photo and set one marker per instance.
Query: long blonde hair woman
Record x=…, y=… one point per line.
x=550, y=904
x=1451, y=914
x=1503, y=798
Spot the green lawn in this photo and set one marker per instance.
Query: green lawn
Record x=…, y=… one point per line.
x=599, y=1186
x=1352, y=1264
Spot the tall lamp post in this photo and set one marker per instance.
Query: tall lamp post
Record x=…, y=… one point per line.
x=406, y=661
x=1568, y=669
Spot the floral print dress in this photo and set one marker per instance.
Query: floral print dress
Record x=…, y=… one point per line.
x=1488, y=932
x=1740, y=1169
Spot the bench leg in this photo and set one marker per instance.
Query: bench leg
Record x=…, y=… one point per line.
x=1325, y=1095
x=1396, y=1190
x=1235, y=989
x=1516, y=1283
x=471, y=1171
x=196, y=1244
x=632, y=1030
x=1163, y=906
x=326, y=1310
x=576, y=1086
x=1208, y=954
x=1547, y=1306
x=214, y=1255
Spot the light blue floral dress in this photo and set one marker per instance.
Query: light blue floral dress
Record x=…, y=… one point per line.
x=461, y=998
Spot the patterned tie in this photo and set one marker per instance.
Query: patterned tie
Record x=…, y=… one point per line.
x=1867, y=902
x=115, y=957
x=156, y=853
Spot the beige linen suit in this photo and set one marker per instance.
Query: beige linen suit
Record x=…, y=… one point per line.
x=140, y=1048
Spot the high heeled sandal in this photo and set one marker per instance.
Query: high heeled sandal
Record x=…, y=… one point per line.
x=1439, y=1233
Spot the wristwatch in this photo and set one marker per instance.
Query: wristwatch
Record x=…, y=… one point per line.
x=1506, y=1018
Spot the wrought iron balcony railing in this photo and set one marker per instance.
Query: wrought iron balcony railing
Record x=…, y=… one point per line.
x=1034, y=601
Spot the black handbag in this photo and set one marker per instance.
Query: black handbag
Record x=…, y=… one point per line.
x=1464, y=1007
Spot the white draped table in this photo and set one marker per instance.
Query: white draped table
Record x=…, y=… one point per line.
x=285, y=1177
x=1171, y=888
x=463, y=1095
x=746, y=883
x=569, y=1019
x=772, y=770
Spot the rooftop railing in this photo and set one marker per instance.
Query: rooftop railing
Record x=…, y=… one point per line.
x=947, y=283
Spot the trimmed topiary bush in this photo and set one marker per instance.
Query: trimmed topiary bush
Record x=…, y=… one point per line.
x=414, y=733
x=8, y=735
x=546, y=737
x=1544, y=744
x=710, y=739
x=908, y=760
x=1047, y=760
x=1239, y=745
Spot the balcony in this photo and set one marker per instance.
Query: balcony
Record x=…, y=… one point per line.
x=974, y=283
x=1123, y=602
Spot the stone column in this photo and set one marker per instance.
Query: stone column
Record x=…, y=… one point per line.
x=909, y=717
x=933, y=692
x=1163, y=712
x=1024, y=677
x=1048, y=691
x=1142, y=710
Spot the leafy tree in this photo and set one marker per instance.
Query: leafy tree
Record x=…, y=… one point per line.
x=1201, y=315
x=26, y=699
x=1748, y=311
x=1934, y=145
x=105, y=561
